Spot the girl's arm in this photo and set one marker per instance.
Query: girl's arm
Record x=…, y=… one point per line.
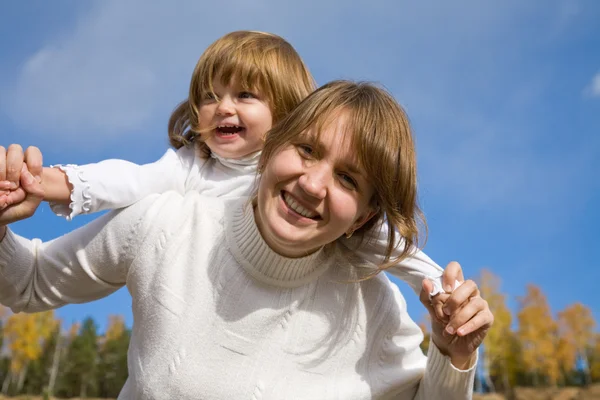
x=411, y=270
x=86, y=264
x=111, y=184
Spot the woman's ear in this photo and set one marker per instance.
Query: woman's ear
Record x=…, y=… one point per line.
x=370, y=212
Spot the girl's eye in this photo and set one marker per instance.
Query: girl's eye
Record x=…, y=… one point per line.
x=247, y=95
x=209, y=96
x=348, y=182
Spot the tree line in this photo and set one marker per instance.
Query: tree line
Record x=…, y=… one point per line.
x=39, y=358
x=532, y=348
x=535, y=347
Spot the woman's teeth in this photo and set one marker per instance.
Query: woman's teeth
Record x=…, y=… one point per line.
x=291, y=203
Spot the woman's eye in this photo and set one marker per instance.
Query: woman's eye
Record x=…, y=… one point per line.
x=305, y=150
x=348, y=181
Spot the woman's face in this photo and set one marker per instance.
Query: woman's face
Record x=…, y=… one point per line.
x=312, y=192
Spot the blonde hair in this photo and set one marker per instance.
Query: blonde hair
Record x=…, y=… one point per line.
x=256, y=61
x=380, y=133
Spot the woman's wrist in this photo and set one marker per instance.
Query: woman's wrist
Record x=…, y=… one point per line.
x=2, y=232
x=463, y=362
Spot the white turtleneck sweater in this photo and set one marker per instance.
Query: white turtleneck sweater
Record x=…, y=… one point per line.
x=219, y=315
x=113, y=184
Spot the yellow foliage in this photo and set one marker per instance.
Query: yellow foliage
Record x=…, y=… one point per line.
x=576, y=325
x=116, y=327
x=595, y=365
x=74, y=330
x=537, y=332
x=497, y=347
x=26, y=334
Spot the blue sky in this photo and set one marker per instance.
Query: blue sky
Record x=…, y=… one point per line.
x=504, y=100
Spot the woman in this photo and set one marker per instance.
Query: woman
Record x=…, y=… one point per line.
x=254, y=298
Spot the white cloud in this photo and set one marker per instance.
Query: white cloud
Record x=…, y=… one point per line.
x=593, y=89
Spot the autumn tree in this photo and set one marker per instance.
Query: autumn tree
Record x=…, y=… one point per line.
x=497, y=347
x=40, y=370
x=576, y=327
x=595, y=358
x=537, y=333
x=25, y=334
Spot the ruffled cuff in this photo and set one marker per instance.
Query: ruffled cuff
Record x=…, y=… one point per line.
x=81, y=200
x=440, y=371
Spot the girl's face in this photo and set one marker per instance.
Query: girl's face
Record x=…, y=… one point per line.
x=312, y=192
x=237, y=120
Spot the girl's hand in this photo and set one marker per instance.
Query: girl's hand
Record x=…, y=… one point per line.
x=468, y=317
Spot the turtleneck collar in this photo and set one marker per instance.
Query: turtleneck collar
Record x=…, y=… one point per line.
x=259, y=260
x=246, y=164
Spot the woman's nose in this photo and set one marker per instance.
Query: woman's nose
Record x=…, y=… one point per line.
x=314, y=181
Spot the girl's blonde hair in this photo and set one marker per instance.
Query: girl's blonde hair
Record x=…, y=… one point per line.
x=380, y=133
x=256, y=61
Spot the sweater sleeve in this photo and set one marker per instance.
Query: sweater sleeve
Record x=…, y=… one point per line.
x=418, y=377
x=113, y=184
x=412, y=269
x=84, y=265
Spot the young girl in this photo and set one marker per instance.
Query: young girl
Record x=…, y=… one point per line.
x=242, y=84
x=253, y=298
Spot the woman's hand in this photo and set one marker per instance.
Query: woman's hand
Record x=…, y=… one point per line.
x=20, y=184
x=468, y=317
x=11, y=163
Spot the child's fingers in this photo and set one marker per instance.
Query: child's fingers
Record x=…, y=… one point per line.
x=426, y=287
x=437, y=303
x=433, y=304
x=452, y=273
x=14, y=197
x=14, y=162
x=34, y=161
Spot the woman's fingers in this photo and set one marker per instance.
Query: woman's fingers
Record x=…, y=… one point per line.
x=34, y=161
x=466, y=314
x=14, y=163
x=26, y=208
x=2, y=164
x=483, y=319
x=460, y=296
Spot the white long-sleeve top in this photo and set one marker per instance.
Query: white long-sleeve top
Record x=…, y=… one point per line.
x=113, y=184
x=219, y=315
